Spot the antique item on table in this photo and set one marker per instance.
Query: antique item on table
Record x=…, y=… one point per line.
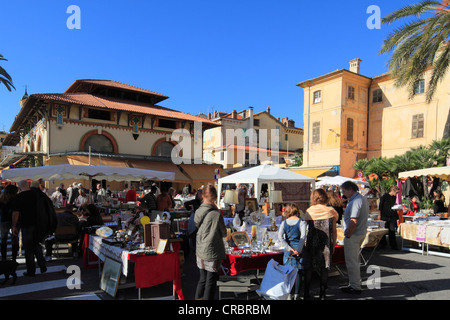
x=251, y=204
x=257, y=217
x=244, y=226
x=104, y=232
x=236, y=222
x=155, y=231
x=273, y=226
x=240, y=238
x=161, y=247
x=254, y=232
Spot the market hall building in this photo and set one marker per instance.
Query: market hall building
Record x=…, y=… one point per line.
x=122, y=125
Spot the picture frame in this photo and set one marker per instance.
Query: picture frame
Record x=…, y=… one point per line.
x=252, y=204
x=161, y=246
x=109, y=281
x=240, y=238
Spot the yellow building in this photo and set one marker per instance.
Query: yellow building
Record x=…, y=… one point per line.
x=246, y=138
x=348, y=116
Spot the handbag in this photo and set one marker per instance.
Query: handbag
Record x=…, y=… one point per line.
x=278, y=281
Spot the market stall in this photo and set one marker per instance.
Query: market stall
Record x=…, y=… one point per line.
x=67, y=172
x=149, y=270
x=424, y=227
x=337, y=181
x=373, y=237
x=295, y=187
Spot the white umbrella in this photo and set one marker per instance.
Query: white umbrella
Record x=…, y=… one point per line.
x=68, y=171
x=337, y=181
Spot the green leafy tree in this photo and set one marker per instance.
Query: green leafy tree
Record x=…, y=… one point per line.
x=297, y=160
x=5, y=78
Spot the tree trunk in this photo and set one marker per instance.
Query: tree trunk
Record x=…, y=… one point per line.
x=447, y=127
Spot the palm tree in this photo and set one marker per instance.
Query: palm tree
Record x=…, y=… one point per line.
x=420, y=44
x=381, y=167
x=441, y=149
x=361, y=166
x=5, y=78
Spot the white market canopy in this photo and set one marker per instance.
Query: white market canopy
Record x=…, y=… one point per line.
x=438, y=172
x=337, y=181
x=263, y=174
x=68, y=172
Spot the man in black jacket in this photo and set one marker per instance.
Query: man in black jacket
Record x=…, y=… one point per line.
x=25, y=217
x=390, y=216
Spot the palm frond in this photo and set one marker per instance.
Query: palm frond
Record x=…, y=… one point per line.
x=411, y=10
x=5, y=78
x=418, y=45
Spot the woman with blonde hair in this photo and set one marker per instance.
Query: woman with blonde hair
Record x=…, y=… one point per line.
x=320, y=241
x=292, y=234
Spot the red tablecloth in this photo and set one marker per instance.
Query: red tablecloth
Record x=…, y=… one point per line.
x=148, y=270
x=237, y=264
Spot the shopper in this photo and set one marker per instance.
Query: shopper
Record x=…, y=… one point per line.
x=210, y=249
x=6, y=202
x=336, y=202
x=25, y=217
x=438, y=202
x=321, y=221
x=292, y=235
x=356, y=215
x=64, y=219
x=131, y=195
x=389, y=215
x=149, y=200
x=163, y=201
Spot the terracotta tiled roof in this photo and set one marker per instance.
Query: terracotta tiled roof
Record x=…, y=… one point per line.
x=112, y=84
x=86, y=99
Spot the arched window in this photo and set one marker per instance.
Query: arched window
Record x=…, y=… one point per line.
x=163, y=149
x=99, y=143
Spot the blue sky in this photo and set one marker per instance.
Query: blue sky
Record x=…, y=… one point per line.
x=204, y=54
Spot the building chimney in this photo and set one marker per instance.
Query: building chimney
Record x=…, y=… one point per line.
x=234, y=114
x=268, y=110
x=250, y=112
x=291, y=123
x=284, y=121
x=355, y=65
